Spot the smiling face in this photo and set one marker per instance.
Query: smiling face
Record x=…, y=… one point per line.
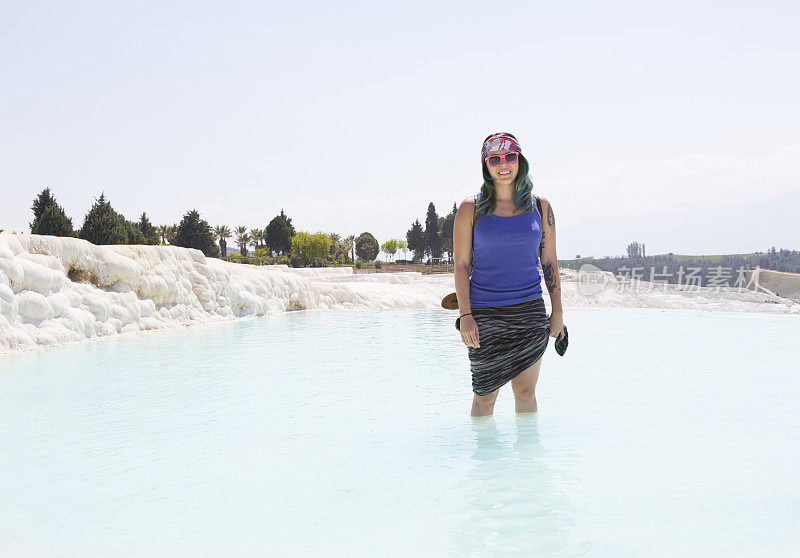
x=503, y=173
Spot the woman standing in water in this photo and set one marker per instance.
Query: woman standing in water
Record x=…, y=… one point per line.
x=503, y=319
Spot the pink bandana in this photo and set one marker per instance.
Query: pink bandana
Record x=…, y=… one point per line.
x=499, y=143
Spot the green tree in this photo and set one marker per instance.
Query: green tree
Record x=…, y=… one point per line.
x=416, y=241
x=260, y=256
x=446, y=225
x=367, y=247
x=172, y=234
x=402, y=245
x=163, y=230
x=336, y=243
x=634, y=250
x=349, y=245
x=433, y=239
x=222, y=232
x=340, y=247
x=310, y=249
x=53, y=222
x=278, y=234
x=255, y=239
x=242, y=239
x=149, y=232
x=103, y=225
x=257, y=236
x=44, y=200
x=48, y=217
x=390, y=247
x=194, y=232
x=133, y=233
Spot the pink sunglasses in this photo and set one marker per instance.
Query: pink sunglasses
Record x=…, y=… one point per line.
x=510, y=158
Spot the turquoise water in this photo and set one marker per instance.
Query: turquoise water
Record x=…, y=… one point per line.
x=661, y=433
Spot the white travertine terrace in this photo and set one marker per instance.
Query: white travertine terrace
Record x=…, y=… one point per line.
x=56, y=290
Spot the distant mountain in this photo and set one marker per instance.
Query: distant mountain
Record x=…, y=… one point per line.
x=690, y=229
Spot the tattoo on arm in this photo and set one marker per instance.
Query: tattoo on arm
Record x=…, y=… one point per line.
x=550, y=278
x=541, y=244
x=551, y=220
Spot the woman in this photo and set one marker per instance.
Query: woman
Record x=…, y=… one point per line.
x=503, y=320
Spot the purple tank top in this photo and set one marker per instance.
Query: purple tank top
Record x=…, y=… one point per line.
x=505, y=260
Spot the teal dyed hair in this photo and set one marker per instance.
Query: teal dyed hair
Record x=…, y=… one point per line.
x=523, y=186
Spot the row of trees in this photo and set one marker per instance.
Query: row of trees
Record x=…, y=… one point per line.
x=672, y=267
x=276, y=237
x=103, y=225
x=436, y=238
x=780, y=260
x=322, y=248
x=277, y=242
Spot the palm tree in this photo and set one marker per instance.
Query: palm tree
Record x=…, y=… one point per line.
x=222, y=232
x=162, y=231
x=245, y=238
x=172, y=233
x=258, y=237
x=336, y=245
x=242, y=239
x=348, y=244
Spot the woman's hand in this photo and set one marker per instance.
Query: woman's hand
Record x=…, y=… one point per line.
x=469, y=331
x=556, y=324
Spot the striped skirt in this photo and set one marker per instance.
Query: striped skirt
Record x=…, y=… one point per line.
x=511, y=339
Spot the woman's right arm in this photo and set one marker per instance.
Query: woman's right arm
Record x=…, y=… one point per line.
x=462, y=255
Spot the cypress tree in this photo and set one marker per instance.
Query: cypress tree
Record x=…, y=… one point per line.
x=103, y=225
x=278, y=234
x=48, y=217
x=53, y=222
x=42, y=202
x=149, y=232
x=194, y=232
x=433, y=241
x=416, y=240
x=134, y=233
x=447, y=226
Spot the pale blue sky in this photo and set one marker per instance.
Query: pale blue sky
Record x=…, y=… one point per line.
x=352, y=116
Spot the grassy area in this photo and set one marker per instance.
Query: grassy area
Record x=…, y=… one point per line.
x=782, y=284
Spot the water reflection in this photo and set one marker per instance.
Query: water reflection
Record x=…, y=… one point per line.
x=514, y=505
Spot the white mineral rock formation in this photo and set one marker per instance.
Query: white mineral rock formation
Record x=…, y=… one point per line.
x=55, y=290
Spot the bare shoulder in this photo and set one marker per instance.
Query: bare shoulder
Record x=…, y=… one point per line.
x=468, y=203
x=466, y=209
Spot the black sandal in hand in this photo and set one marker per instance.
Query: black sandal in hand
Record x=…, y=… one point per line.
x=561, y=342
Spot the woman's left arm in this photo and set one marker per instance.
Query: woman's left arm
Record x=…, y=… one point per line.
x=550, y=268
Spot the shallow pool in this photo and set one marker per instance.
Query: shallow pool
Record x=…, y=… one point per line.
x=661, y=433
